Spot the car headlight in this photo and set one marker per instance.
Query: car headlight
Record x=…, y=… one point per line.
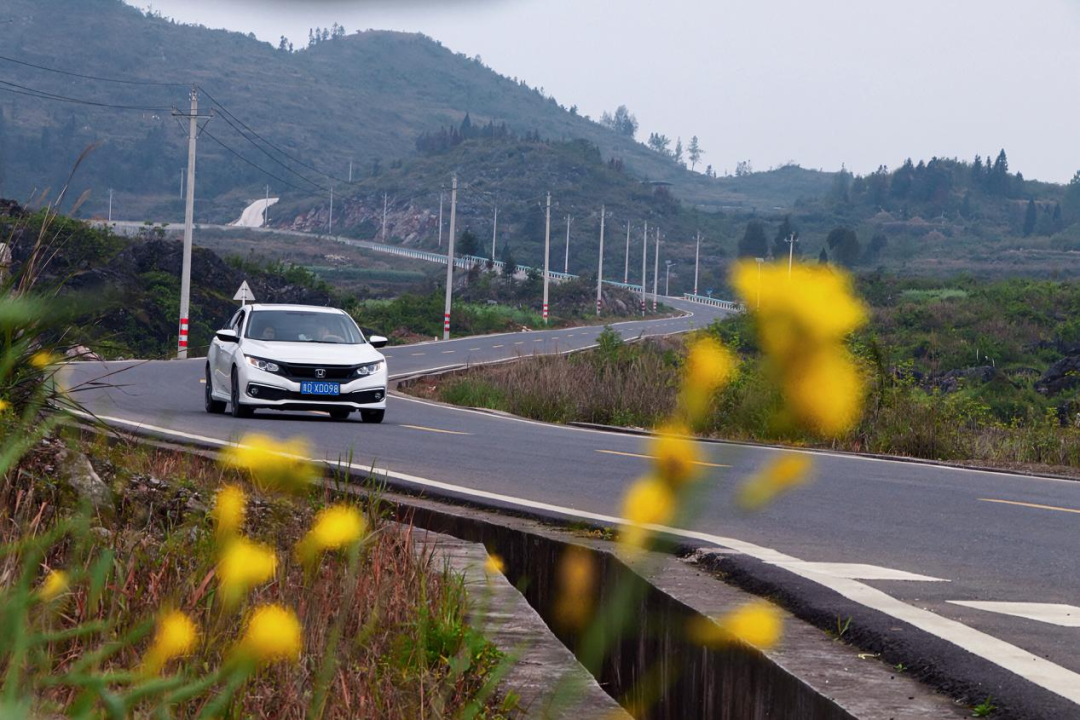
x=265, y=365
x=369, y=369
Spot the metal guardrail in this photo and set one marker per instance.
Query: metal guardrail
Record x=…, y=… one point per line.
x=714, y=302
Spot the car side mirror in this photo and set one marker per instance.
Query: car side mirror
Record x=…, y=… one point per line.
x=377, y=341
x=226, y=335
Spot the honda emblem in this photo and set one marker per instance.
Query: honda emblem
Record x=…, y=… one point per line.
x=320, y=373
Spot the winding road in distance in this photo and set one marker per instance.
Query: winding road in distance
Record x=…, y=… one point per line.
x=985, y=565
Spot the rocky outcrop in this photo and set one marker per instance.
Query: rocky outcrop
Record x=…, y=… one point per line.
x=1061, y=376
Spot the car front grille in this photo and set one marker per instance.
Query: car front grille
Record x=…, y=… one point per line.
x=297, y=371
x=363, y=397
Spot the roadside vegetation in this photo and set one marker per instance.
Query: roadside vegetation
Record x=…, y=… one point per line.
x=968, y=372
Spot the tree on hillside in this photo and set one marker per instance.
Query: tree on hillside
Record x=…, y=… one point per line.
x=1070, y=204
x=694, y=152
x=623, y=122
x=902, y=180
x=467, y=244
x=709, y=172
x=754, y=243
x=823, y=257
x=783, y=233
x=743, y=168
x=1031, y=215
x=844, y=244
x=678, y=151
x=660, y=143
x=873, y=251
x=509, y=265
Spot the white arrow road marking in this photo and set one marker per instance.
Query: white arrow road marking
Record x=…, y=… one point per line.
x=857, y=571
x=1055, y=614
x=1032, y=668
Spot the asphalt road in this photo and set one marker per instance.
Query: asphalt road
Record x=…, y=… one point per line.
x=904, y=541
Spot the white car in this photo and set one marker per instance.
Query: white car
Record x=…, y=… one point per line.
x=295, y=357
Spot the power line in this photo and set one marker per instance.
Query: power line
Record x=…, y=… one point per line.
x=267, y=154
x=42, y=95
x=210, y=135
x=90, y=77
x=247, y=127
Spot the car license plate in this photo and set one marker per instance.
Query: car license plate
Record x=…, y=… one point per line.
x=320, y=388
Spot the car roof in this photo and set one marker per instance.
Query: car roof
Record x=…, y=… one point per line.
x=305, y=308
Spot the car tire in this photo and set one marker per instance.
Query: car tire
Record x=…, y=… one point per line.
x=372, y=416
x=239, y=410
x=214, y=407
x=340, y=413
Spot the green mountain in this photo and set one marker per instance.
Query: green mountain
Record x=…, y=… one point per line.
x=363, y=98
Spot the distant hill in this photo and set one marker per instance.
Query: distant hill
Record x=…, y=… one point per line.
x=364, y=98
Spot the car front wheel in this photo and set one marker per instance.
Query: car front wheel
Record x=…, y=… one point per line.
x=214, y=407
x=239, y=410
x=372, y=416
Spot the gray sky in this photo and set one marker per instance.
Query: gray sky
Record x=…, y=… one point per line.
x=823, y=83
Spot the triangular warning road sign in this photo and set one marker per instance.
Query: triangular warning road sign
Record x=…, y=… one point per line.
x=244, y=294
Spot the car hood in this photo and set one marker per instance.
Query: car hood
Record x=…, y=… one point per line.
x=311, y=353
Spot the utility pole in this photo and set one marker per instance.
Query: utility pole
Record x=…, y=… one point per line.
x=759, y=262
x=566, y=261
x=656, y=272
x=181, y=183
x=110, y=206
x=350, y=171
x=266, y=208
x=626, y=267
x=440, y=219
x=384, y=201
x=450, y=259
x=547, y=255
x=697, y=262
x=667, y=277
x=600, y=268
x=494, y=231
x=644, y=259
x=189, y=224
x=791, y=254
x=331, y=209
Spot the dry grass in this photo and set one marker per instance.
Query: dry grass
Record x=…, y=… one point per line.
x=403, y=617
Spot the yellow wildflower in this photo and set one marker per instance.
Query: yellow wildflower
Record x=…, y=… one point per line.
x=55, y=584
x=334, y=528
x=273, y=464
x=273, y=633
x=43, y=359
x=176, y=636
x=675, y=455
x=709, y=366
x=4, y=405
x=243, y=565
x=230, y=507
x=802, y=323
x=757, y=623
x=648, y=502
x=780, y=475
x=494, y=565
x=576, y=586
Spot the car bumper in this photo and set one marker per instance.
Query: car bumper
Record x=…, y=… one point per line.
x=266, y=390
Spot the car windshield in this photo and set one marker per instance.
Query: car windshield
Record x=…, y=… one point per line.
x=303, y=326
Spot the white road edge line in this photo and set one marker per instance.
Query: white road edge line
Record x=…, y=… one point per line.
x=1032, y=668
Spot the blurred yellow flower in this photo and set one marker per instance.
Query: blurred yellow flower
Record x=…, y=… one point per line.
x=273, y=633
x=757, y=623
x=273, y=464
x=675, y=454
x=4, y=405
x=176, y=636
x=709, y=366
x=648, y=502
x=575, y=588
x=494, y=565
x=243, y=565
x=43, y=359
x=55, y=584
x=334, y=528
x=780, y=475
x=802, y=323
x=230, y=507
x=825, y=391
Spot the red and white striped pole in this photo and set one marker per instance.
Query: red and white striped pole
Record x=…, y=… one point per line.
x=182, y=343
x=600, y=266
x=547, y=255
x=450, y=259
